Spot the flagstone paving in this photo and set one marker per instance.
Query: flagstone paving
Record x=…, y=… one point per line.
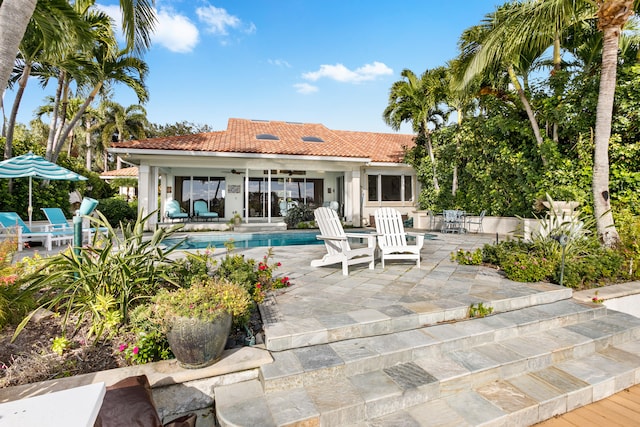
x=395, y=346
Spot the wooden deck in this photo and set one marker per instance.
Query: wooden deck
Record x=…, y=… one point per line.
x=621, y=409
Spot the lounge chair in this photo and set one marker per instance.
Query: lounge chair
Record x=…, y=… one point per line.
x=59, y=223
x=201, y=211
x=392, y=239
x=337, y=242
x=173, y=211
x=11, y=221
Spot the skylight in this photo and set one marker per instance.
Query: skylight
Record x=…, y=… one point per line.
x=267, y=136
x=312, y=139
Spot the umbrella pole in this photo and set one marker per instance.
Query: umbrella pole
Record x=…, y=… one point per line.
x=30, y=208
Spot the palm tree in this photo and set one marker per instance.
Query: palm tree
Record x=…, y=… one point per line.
x=62, y=28
x=419, y=101
x=138, y=19
x=121, y=124
x=612, y=15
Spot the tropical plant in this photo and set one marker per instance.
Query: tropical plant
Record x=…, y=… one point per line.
x=138, y=20
x=298, y=214
x=204, y=300
x=101, y=282
x=419, y=101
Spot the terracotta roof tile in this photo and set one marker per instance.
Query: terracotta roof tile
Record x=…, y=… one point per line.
x=118, y=173
x=240, y=137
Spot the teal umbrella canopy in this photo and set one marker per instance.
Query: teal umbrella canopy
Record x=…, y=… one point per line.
x=32, y=166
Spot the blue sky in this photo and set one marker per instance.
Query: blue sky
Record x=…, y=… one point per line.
x=314, y=61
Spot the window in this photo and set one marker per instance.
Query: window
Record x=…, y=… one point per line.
x=267, y=136
x=206, y=188
x=390, y=188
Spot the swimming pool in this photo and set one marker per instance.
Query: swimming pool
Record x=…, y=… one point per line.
x=254, y=240
x=247, y=240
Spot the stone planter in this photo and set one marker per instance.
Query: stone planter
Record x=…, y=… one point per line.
x=197, y=343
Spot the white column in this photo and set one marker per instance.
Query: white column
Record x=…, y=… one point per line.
x=144, y=191
x=352, y=196
x=246, y=196
x=269, y=196
x=153, y=196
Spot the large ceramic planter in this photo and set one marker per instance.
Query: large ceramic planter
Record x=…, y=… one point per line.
x=197, y=343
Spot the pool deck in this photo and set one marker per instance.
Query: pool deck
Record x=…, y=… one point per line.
x=395, y=346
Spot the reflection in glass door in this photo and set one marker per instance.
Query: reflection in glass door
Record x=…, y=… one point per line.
x=285, y=193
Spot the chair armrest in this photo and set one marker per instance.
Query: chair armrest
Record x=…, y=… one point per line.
x=419, y=236
x=370, y=237
x=331, y=237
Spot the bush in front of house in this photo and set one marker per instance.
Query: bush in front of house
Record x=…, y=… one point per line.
x=298, y=214
x=117, y=210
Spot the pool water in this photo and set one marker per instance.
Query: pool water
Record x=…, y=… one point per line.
x=247, y=240
x=254, y=240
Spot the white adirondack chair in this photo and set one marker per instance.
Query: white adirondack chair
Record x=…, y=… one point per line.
x=337, y=242
x=392, y=239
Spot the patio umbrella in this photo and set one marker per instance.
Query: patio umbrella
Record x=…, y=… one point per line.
x=30, y=165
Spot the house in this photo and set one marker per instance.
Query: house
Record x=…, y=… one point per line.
x=131, y=173
x=259, y=169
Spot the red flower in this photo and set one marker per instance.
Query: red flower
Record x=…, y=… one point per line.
x=262, y=267
x=135, y=350
x=279, y=264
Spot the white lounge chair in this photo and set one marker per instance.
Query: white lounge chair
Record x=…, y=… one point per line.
x=392, y=239
x=337, y=242
x=11, y=223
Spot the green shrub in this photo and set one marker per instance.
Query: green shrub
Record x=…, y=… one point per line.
x=467, y=257
x=298, y=214
x=117, y=210
x=527, y=267
x=591, y=270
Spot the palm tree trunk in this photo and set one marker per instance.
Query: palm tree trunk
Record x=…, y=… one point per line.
x=74, y=120
x=527, y=107
x=87, y=142
x=454, y=180
x=432, y=156
x=22, y=83
x=14, y=18
x=604, y=114
x=53, y=124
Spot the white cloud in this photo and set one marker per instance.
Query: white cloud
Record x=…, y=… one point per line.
x=342, y=74
x=305, y=88
x=279, y=63
x=175, y=32
x=219, y=21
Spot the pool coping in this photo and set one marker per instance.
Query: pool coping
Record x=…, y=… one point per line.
x=608, y=292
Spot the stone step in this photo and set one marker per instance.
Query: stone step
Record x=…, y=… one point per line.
x=462, y=374
x=308, y=365
x=282, y=334
x=529, y=398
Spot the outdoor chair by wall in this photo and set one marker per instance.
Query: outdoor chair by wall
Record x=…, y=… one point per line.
x=477, y=222
x=173, y=211
x=201, y=211
x=58, y=222
x=336, y=241
x=392, y=239
x=10, y=221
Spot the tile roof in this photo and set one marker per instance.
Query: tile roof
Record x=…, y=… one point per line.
x=119, y=173
x=240, y=137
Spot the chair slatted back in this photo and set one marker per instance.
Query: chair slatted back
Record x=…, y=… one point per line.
x=330, y=225
x=56, y=217
x=11, y=219
x=390, y=228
